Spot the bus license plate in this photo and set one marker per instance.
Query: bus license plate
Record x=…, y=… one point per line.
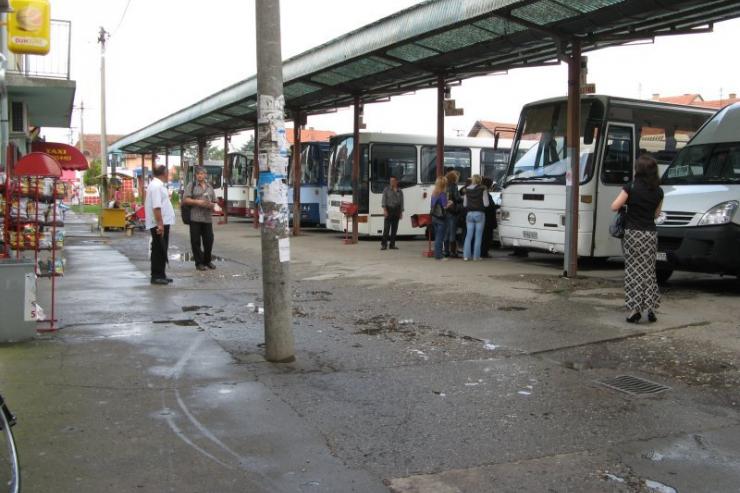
x=661, y=257
x=531, y=235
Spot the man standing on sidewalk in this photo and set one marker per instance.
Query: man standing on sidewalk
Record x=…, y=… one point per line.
x=202, y=199
x=159, y=217
x=392, y=203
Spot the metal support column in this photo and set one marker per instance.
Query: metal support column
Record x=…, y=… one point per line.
x=201, y=152
x=183, y=169
x=256, y=178
x=356, y=169
x=297, y=173
x=142, y=183
x=279, y=340
x=440, y=125
x=227, y=177
x=572, y=177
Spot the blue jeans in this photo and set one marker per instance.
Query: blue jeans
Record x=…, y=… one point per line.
x=475, y=221
x=440, y=228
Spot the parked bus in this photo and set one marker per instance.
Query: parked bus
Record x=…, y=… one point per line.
x=410, y=158
x=699, y=225
x=242, y=185
x=613, y=131
x=314, y=170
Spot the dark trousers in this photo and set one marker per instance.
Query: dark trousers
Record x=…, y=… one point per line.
x=160, y=244
x=390, y=226
x=201, y=233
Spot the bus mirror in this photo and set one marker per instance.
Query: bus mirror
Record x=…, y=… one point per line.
x=495, y=140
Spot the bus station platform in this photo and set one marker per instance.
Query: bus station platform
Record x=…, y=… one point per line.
x=411, y=375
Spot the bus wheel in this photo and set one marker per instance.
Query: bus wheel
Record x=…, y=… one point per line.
x=663, y=275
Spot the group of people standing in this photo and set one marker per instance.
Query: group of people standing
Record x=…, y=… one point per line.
x=160, y=216
x=471, y=208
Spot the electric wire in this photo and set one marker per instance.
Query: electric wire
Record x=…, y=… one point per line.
x=123, y=16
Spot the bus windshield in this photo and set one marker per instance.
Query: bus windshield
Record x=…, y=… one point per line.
x=214, y=175
x=241, y=169
x=314, y=164
x=706, y=163
x=340, y=167
x=493, y=163
x=547, y=160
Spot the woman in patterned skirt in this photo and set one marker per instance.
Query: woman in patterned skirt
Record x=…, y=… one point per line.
x=643, y=198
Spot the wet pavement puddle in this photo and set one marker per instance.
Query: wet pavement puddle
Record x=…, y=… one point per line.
x=188, y=257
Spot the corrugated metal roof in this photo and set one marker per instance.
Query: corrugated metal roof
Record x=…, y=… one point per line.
x=410, y=49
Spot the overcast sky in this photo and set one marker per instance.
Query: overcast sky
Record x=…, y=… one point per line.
x=164, y=55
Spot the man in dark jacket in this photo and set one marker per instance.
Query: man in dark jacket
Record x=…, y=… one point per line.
x=392, y=203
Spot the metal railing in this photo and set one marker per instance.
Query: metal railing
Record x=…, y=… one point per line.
x=53, y=65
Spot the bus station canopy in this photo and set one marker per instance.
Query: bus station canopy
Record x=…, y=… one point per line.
x=412, y=49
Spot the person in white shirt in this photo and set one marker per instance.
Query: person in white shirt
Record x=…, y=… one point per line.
x=159, y=217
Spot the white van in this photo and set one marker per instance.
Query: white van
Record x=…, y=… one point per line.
x=699, y=228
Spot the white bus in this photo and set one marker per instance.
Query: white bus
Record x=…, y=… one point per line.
x=411, y=159
x=613, y=132
x=242, y=185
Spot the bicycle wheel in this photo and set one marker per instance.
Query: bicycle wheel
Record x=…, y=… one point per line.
x=10, y=473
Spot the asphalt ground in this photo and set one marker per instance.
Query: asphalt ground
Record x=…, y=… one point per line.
x=411, y=375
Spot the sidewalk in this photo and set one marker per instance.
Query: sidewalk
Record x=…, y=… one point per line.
x=133, y=395
x=398, y=384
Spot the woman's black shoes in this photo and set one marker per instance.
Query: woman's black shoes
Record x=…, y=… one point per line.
x=651, y=316
x=634, y=318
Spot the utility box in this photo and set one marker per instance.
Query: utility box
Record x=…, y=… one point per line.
x=17, y=300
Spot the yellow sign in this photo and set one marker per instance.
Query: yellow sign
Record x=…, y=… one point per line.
x=29, y=26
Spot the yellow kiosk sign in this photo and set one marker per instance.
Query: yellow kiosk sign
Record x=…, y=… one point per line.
x=29, y=26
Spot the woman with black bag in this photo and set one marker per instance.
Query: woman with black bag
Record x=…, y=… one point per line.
x=438, y=209
x=643, y=199
x=453, y=212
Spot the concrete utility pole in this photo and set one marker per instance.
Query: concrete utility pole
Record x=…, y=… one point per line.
x=273, y=188
x=102, y=37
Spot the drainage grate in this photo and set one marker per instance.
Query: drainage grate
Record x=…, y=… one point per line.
x=633, y=385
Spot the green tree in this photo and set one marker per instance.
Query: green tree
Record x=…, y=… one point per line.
x=248, y=147
x=214, y=153
x=90, y=177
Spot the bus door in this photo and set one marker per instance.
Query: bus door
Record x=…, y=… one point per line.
x=400, y=161
x=617, y=163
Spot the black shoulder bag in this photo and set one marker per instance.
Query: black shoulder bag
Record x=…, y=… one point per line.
x=185, y=209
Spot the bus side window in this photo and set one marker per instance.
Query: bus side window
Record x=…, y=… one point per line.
x=618, y=156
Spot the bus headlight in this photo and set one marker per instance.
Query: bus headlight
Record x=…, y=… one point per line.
x=502, y=215
x=719, y=214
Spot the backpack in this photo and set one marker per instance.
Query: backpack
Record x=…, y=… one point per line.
x=437, y=210
x=185, y=209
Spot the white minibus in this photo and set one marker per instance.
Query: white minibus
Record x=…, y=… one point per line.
x=613, y=132
x=699, y=226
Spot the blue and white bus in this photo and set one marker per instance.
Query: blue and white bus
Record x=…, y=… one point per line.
x=314, y=169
